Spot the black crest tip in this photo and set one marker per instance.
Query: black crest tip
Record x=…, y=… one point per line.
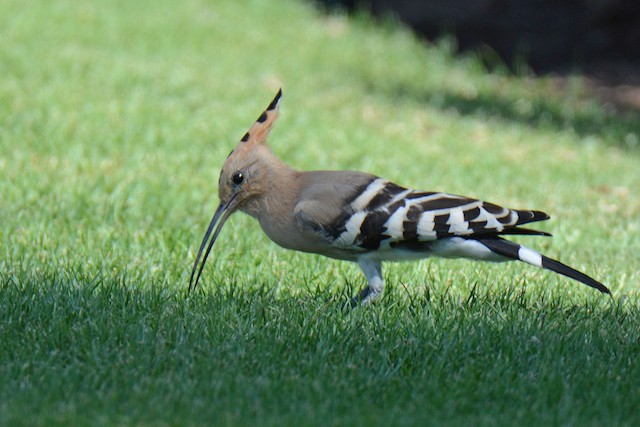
x=276, y=101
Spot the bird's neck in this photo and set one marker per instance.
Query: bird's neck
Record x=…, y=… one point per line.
x=278, y=191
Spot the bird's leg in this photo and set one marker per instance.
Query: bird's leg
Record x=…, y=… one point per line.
x=372, y=269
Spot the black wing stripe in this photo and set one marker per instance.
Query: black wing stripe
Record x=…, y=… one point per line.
x=508, y=219
x=493, y=209
x=420, y=194
x=410, y=225
x=444, y=203
x=372, y=230
x=384, y=196
x=441, y=219
x=471, y=214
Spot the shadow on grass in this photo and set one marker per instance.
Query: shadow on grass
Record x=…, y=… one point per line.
x=111, y=345
x=621, y=129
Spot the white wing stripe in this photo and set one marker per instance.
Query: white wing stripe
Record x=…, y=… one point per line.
x=367, y=195
x=394, y=224
x=483, y=216
x=456, y=216
x=352, y=229
x=460, y=228
x=425, y=226
x=434, y=196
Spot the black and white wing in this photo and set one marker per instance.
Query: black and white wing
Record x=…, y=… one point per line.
x=386, y=215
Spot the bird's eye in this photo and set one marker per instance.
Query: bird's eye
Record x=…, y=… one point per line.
x=238, y=178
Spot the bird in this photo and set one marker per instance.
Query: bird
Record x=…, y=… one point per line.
x=363, y=218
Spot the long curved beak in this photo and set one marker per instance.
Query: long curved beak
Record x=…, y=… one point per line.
x=223, y=212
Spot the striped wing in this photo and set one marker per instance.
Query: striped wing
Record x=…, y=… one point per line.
x=385, y=214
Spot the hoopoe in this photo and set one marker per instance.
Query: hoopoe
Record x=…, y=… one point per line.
x=362, y=218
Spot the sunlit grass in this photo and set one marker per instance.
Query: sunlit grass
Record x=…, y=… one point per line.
x=114, y=120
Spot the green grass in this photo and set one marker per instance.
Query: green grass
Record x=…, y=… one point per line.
x=115, y=118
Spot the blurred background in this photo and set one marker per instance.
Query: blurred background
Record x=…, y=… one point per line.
x=599, y=38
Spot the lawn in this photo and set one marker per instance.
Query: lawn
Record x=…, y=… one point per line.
x=115, y=118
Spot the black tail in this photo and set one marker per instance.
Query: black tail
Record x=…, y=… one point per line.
x=565, y=270
x=515, y=251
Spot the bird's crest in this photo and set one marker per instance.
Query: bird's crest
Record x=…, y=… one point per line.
x=260, y=129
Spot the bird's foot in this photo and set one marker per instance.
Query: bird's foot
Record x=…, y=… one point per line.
x=365, y=297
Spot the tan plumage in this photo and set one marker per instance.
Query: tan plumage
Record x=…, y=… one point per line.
x=360, y=217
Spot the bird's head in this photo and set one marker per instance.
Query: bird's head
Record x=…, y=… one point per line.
x=242, y=179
